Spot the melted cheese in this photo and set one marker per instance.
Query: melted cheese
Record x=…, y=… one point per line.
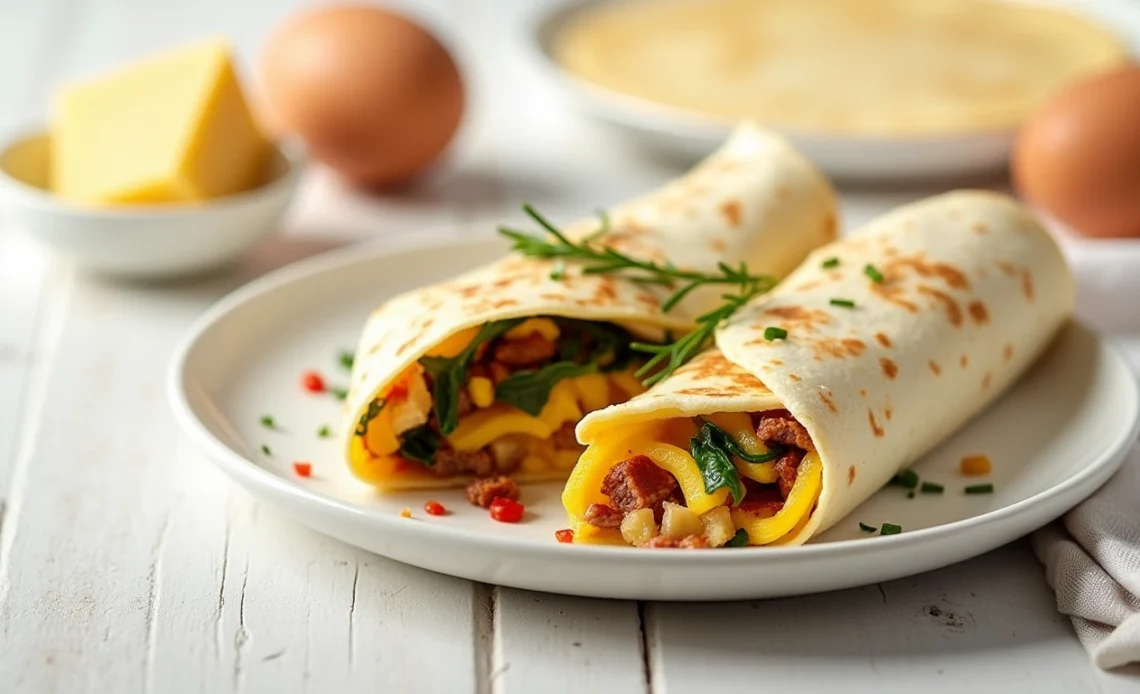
x=681, y=465
x=797, y=507
x=484, y=426
x=593, y=391
x=543, y=326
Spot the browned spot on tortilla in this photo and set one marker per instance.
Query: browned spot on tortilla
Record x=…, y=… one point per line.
x=949, y=305
x=430, y=321
x=810, y=285
x=836, y=348
x=1007, y=268
x=850, y=475
x=606, y=289
x=918, y=264
x=647, y=299
x=470, y=291
x=828, y=401
x=793, y=378
x=863, y=392
x=979, y=228
x=883, y=339
x=964, y=361
x=723, y=390
x=978, y=312
x=549, y=296
x=934, y=367
x=718, y=245
x=829, y=225
x=875, y=428
x=1007, y=351
x=730, y=210
x=798, y=316
x=1027, y=285
x=404, y=347
x=632, y=227
x=987, y=380
x=854, y=347
x=896, y=295
x=890, y=369
x=890, y=252
x=776, y=362
x=888, y=413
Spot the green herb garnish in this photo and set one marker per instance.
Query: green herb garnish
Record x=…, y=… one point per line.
x=867, y=528
x=907, y=478
x=890, y=529
x=265, y=450
x=339, y=393
x=870, y=271
x=774, y=333
x=420, y=444
x=324, y=431
x=346, y=359
x=715, y=463
x=559, y=271
x=931, y=488
x=845, y=303
x=606, y=260
x=729, y=444
x=910, y=494
x=374, y=409
x=530, y=390
x=449, y=374
x=830, y=263
x=268, y=422
x=980, y=489
x=740, y=539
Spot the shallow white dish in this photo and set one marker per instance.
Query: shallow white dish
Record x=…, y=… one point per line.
x=1056, y=437
x=692, y=136
x=143, y=242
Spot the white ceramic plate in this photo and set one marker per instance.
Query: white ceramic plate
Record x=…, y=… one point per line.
x=864, y=158
x=1054, y=439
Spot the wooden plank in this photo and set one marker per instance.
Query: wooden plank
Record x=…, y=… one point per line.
x=985, y=625
x=554, y=643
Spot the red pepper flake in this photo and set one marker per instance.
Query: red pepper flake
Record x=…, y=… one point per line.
x=506, y=510
x=564, y=535
x=303, y=469
x=434, y=508
x=312, y=382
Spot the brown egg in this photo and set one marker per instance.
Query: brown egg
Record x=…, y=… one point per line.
x=1078, y=157
x=375, y=96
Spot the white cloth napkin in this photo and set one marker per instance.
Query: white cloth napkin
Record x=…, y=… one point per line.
x=1092, y=561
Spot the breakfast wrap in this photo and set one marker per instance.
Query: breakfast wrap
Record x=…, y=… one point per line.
x=487, y=374
x=869, y=354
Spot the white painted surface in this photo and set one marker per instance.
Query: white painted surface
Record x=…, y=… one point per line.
x=127, y=564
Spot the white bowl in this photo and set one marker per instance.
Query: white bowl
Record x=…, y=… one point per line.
x=846, y=158
x=145, y=241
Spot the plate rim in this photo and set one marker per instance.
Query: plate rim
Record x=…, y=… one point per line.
x=252, y=476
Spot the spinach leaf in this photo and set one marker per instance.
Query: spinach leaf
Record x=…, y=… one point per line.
x=420, y=444
x=727, y=442
x=715, y=462
x=608, y=339
x=530, y=390
x=450, y=373
x=740, y=539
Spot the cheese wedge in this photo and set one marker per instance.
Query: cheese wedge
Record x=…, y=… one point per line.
x=173, y=128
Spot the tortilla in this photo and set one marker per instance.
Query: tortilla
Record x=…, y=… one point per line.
x=754, y=200
x=972, y=290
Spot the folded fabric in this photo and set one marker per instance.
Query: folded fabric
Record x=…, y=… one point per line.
x=1092, y=561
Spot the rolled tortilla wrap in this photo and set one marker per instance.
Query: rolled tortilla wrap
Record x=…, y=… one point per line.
x=754, y=200
x=895, y=337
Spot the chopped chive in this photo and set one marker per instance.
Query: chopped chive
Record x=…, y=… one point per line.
x=875, y=275
x=845, y=303
x=339, y=393
x=346, y=359
x=906, y=478
x=831, y=262
x=890, y=529
x=265, y=450
x=324, y=432
x=740, y=539
x=867, y=528
x=268, y=422
x=910, y=494
x=980, y=489
x=774, y=333
x=931, y=488
x=559, y=271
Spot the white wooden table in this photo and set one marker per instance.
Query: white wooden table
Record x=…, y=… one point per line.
x=128, y=564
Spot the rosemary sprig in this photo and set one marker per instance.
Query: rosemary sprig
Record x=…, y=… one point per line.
x=675, y=354
x=603, y=261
